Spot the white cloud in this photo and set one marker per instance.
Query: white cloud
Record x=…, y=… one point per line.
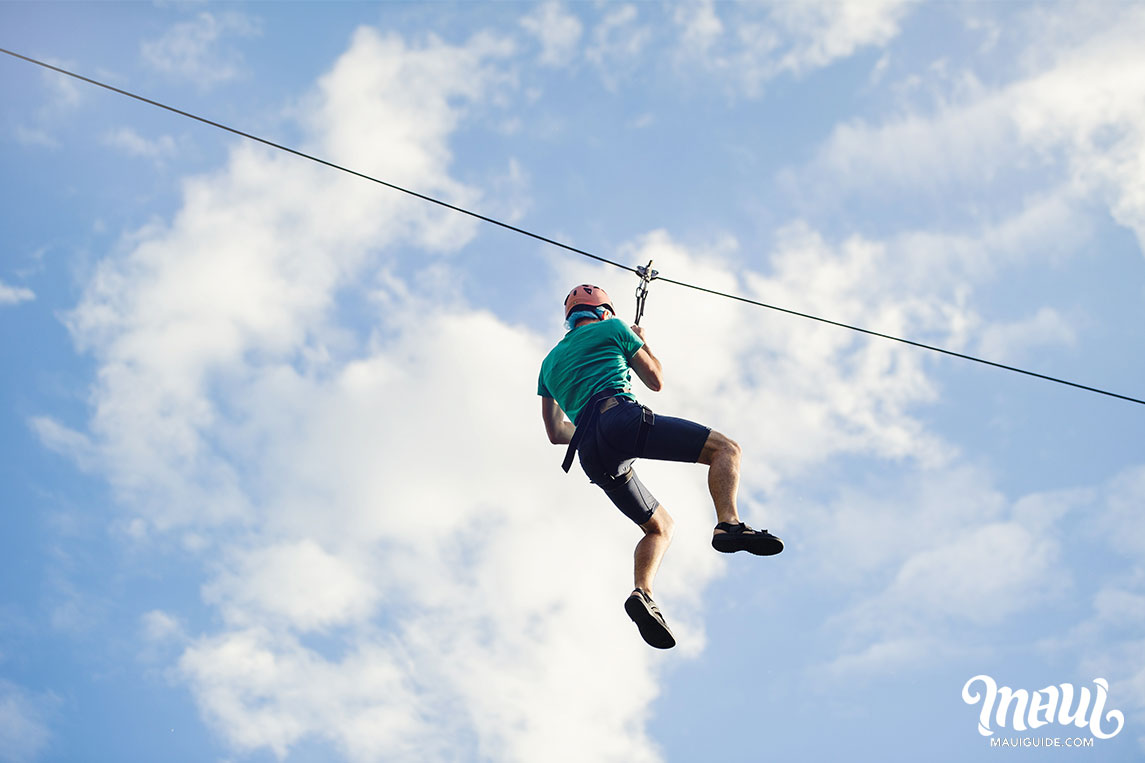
x=63, y=440
x=31, y=136
x=133, y=144
x=1107, y=640
x=878, y=658
x=826, y=31
x=64, y=91
x=267, y=690
x=617, y=41
x=962, y=559
x=700, y=25
x=195, y=49
x=957, y=145
x=14, y=295
x=422, y=86
x=1084, y=106
x=159, y=626
x=1121, y=521
x=240, y=269
x=63, y=96
x=642, y=122
x=982, y=575
x=557, y=30
x=1001, y=342
x=24, y=729
x=828, y=390
x=1091, y=103
x=946, y=270
x=296, y=581
x=509, y=193
x=949, y=564
x=371, y=519
x=750, y=44
x=448, y=533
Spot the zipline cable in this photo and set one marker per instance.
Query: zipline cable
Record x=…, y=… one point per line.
x=911, y=342
x=643, y=273
x=313, y=158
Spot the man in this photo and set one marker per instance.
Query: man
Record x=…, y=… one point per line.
x=587, y=376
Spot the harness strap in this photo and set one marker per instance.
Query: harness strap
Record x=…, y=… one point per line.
x=647, y=421
x=587, y=416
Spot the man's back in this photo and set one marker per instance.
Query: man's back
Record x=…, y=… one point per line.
x=591, y=358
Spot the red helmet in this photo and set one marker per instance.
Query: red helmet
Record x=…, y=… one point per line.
x=587, y=294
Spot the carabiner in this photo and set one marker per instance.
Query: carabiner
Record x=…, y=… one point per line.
x=647, y=274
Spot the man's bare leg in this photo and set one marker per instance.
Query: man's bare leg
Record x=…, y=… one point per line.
x=639, y=606
x=650, y=550
x=722, y=455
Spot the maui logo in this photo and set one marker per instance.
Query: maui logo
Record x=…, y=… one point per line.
x=1034, y=709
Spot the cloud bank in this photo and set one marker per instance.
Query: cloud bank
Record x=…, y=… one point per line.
x=388, y=575
x=395, y=565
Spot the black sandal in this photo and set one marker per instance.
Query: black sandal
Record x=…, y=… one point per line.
x=742, y=538
x=648, y=619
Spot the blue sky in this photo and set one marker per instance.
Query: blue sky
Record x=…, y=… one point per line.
x=275, y=484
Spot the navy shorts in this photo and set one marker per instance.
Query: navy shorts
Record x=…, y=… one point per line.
x=606, y=455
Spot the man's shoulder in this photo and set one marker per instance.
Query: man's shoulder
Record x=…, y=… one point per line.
x=558, y=350
x=627, y=338
x=614, y=327
x=548, y=359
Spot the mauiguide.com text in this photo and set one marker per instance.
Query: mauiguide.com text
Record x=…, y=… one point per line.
x=1041, y=742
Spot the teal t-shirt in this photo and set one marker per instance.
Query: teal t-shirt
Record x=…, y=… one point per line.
x=588, y=360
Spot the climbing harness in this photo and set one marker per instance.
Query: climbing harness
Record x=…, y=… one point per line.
x=647, y=275
x=584, y=421
x=595, y=406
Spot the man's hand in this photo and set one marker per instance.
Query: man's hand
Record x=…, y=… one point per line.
x=638, y=331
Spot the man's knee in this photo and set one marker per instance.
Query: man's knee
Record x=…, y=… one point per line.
x=732, y=448
x=719, y=446
x=661, y=523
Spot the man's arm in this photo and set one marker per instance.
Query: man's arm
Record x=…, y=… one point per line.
x=646, y=365
x=557, y=427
